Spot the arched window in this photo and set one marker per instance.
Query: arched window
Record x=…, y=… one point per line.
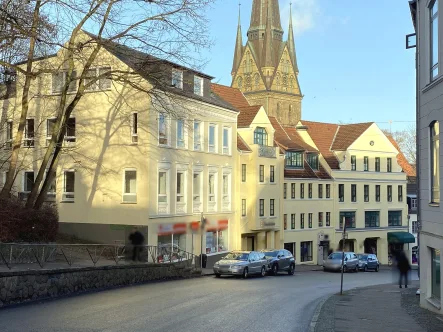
x=291, y=81
x=240, y=82
x=260, y=136
x=256, y=80
x=435, y=162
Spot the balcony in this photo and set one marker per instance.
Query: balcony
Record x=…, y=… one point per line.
x=267, y=151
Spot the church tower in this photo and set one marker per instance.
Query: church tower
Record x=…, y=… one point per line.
x=265, y=69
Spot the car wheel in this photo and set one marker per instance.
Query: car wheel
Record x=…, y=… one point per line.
x=275, y=269
x=263, y=271
x=324, y=269
x=291, y=270
x=345, y=269
x=366, y=268
x=356, y=268
x=377, y=268
x=217, y=275
x=245, y=273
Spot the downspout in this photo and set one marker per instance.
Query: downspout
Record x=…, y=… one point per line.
x=417, y=128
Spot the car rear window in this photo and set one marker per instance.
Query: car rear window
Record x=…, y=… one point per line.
x=335, y=255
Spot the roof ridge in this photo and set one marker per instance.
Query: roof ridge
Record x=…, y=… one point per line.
x=335, y=136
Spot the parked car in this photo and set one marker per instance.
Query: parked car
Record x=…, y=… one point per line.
x=368, y=262
x=333, y=262
x=242, y=263
x=279, y=261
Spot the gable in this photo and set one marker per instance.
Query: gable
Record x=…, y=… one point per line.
x=373, y=140
x=248, y=76
x=348, y=134
x=285, y=78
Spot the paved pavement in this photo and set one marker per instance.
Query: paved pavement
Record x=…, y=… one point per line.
x=377, y=309
x=280, y=303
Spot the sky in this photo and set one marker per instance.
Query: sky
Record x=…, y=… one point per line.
x=353, y=64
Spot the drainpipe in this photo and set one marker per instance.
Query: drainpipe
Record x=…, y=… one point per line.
x=417, y=129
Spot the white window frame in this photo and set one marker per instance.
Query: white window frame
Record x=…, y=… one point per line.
x=49, y=134
x=226, y=196
x=129, y=197
x=53, y=193
x=167, y=131
x=29, y=142
x=197, y=203
x=97, y=86
x=212, y=204
x=134, y=127
x=68, y=196
x=212, y=148
x=164, y=207
x=196, y=79
x=72, y=87
x=226, y=149
x=413, y=203
x=184, y=140
x=432, y=17
x=181, y=205
x=180, y=81
x=198, y=144
x=70, y=139
x=9, y=129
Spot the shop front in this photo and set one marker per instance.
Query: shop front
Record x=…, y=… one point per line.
x=171, y=242
x=216, y=240
x=397, y=241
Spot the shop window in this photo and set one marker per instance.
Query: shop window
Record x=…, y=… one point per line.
x=217, y=239
x=435, y=273
x=306, y=251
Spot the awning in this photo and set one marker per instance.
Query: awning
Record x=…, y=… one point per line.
x=400, y=237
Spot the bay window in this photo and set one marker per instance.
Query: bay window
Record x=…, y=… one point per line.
x=226, y=191
x=294, y=159
x=197, y=190
x=312, y=159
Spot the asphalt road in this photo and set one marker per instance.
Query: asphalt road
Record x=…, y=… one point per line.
x=281, y=303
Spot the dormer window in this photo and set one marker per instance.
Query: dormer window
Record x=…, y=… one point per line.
x=260, y=136
x=294, y=159
x=198, y=86
x=177, y=78
x=313, y=160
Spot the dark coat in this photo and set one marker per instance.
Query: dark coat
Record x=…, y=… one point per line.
x=402, y=262
x=136, y=238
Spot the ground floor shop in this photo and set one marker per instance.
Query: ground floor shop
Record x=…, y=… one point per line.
x=263, y=239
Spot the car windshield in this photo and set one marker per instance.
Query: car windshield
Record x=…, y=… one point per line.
x=335, y=255
x=238, y=256
x=271, y=253
x=362, y=257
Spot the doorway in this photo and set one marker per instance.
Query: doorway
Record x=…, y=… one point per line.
x=370, y=245
x=250, y=243
x=290, y=247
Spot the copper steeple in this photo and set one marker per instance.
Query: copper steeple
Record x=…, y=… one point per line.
x=238, y=45
x=291, y=43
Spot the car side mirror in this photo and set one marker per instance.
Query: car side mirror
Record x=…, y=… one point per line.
x=346, y=258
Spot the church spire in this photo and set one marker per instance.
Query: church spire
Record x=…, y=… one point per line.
x=267, y=60
x=238, y=45
x=291, y=43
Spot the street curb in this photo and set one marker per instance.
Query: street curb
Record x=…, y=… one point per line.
x=317, y=311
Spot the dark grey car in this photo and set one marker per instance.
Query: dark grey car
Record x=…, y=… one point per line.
x=241, y=263
x=333, y=262
x=280, y=261
x=368, y=262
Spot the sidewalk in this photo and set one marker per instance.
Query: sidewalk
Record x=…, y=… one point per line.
x=377, y=309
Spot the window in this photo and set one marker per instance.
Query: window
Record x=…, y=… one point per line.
x=285, y=190
x=271, y=207
x=177, y=78
x=162, y=130
x=285, y=221
x=260, y=136
x=8, y=138
x=243, y=172
x=313, y=160
x=302, y=220
x=68, y=186
x=320, y=191
x=349, y=217
x=377, y=164
x=226, y=140
x=162, y=185
x=353, y=193
x=134, y=127
x=198, y=85
x=433, y=19
x=212, y=187
x=366, y=163
x=377, y=193
x=328, y=191
x=262, y=173
x=413, y=203
x=415, y=227
x=243, y=207
x=389, y=193
x=271, y=174
x=341, y=192
x=29, y=133
x=130, y=186
x=400, y=193
x=435, y=273
x=98, y=79
x=197, y=135
x=372, y=219
x=262, y=207
x=302, y=190
x=320, y=219
x=181, y=134
x=394, y=218
x=435, y=162
x=294, y=159
x=197, y=188
x=212, y=138
x=217, y=240
x=293, y=190
x=353, y=163
x=310, y=220
x=366, y=193
x=293, y=221
x=389, y=164
x=310, y=190
x=226, y=191
x=59, y=81
x=28, y=181
x=50, y=126
x=70, y=130
x=181, y=191
x=328, y=219
x=306, y=251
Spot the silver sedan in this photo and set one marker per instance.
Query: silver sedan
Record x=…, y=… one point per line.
x=242, y=263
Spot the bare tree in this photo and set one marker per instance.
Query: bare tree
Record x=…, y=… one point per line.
x=154, y=30
x=406, y=140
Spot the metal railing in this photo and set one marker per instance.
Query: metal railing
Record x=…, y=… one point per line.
x=58, y=255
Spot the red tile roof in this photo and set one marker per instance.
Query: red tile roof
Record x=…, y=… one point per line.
x=242, y=145
x=348, y=134
x=307, y=173
x=231, y=95
x=401, y=159
x=288, y=138
x=247, y=115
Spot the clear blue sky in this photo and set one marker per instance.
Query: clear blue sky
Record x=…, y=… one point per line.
x=351, y=56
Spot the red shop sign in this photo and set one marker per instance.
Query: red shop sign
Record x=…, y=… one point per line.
x=223, y=224
x=168, y=229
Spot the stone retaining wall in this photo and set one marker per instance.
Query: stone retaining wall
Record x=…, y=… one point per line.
x=23, y=286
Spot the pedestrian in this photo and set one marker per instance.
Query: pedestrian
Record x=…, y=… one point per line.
x=403, y=267
x=137, y=239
